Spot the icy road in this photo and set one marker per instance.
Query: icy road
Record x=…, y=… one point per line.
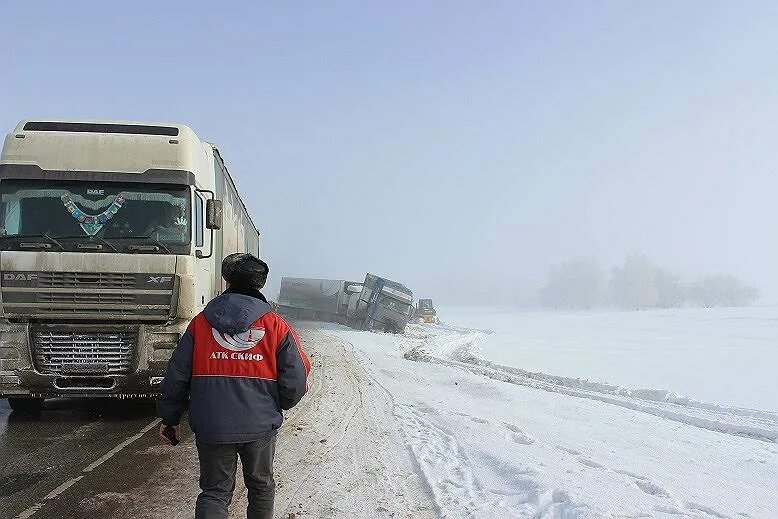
x=418, y=426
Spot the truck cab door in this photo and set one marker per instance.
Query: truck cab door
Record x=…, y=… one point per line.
x=204, y=266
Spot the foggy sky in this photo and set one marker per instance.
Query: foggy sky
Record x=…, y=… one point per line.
x=460, y=148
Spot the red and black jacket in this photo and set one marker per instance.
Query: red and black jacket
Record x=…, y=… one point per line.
x=238, y=365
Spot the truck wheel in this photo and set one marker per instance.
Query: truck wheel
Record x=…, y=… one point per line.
x=26, y=405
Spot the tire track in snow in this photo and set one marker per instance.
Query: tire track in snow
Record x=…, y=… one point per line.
x=339, y=452
x=455, y=485
x=442, y=461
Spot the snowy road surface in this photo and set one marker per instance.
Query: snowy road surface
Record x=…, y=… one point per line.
x=418, y=426
x=342, y=454
x=339, y=454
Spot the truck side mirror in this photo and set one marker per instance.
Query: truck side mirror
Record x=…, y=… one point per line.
x=213, y=214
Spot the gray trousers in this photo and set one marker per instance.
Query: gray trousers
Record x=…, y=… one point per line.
x=218, y=464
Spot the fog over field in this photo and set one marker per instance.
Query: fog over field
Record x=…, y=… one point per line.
x=463, y=151
x=587, y=190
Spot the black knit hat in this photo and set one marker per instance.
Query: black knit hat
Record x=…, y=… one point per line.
x=242, y=270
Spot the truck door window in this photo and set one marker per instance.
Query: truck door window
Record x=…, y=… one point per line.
x=198, y=221
x=10, y=218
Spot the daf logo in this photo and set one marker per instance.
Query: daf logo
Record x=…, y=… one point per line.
x=159, y=279
x=19, y=276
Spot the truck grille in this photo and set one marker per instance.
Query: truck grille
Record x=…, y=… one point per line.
x=83, y=298
x=82, y=279
x=74, y=353
x=88, y=295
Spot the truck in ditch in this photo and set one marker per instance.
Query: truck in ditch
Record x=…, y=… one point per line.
x=111, y=241
x=376, y=304
x=317, y=299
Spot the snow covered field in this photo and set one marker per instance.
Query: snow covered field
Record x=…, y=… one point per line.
x=497, y=441
x=724, y=356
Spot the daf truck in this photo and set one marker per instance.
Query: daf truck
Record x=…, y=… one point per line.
x=111, y=240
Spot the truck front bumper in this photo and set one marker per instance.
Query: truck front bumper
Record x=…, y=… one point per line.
x=20, y=377
x=141, y=384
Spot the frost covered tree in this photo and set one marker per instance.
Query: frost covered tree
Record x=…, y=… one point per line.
x=638, y=285
x=671, y=292
x=574, y=285
x=722, y=290
x=634, y=285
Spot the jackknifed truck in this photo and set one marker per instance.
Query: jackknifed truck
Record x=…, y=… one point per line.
x=375, y=304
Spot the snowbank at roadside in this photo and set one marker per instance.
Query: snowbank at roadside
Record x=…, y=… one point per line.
x=495, y=443
x=458, y=347
x=721, y=355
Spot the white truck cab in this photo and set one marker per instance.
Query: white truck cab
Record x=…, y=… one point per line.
x=111, y=240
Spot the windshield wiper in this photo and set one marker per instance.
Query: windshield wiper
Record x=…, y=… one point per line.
x=35, y=245
x=140, y=248
x=90, y=238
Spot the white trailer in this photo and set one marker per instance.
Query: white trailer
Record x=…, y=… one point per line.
x=317, y=299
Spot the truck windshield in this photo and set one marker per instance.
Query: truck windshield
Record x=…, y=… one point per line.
x=74, y=213
x=394, y=305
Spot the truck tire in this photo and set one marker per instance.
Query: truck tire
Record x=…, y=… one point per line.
x=27, y=406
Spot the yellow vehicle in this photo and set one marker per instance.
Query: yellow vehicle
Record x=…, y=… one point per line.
x=425, y=311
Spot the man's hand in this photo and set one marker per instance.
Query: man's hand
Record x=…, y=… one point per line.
x=165, y=439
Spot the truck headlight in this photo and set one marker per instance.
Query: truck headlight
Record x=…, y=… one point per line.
x=162, y=345
x=161, y=355
x=12, y=342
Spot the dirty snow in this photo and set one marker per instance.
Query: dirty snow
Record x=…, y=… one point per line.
x=340, y=453
x=498, y=441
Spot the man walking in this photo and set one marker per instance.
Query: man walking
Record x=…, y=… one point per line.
x=237, y=366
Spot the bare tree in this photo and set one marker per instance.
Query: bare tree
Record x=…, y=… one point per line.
x=722, y=290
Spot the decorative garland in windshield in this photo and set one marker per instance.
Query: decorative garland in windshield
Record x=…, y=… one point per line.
x=91, y=224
